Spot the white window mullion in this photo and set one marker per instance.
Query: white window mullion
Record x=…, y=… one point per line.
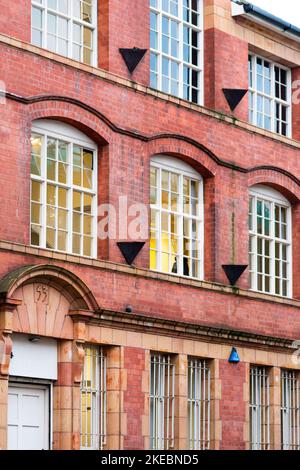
x=70, y=200
x=180, y=229
x=180, y=7
x=272, y=247
x=44, y=188
x=159, y=214
x=273, y=103
x=255, y=88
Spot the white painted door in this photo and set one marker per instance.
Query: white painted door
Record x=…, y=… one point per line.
x=28, y=417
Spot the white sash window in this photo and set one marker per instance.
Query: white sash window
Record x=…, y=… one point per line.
x=67, y=27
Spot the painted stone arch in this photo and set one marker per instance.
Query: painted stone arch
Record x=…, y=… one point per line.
x=46, y=295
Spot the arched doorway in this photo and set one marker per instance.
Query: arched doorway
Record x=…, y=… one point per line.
x=43, y=313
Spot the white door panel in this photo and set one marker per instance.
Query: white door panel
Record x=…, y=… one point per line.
x=28, y=417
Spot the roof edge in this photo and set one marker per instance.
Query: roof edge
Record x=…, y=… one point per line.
x=242, y=7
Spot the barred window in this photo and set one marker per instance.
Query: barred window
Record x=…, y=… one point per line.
x=63, y=189
x=270, y=242
x=176, y=48
x=269, y=95
x=162, y=396
x=176, y=198
x=259, y=409
x=290, y=410
x=93, y=399
x=67, y=27
x=199, y=404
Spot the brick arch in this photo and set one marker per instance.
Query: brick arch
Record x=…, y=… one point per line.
x=280, y=180
x=45, y=295
x=66, y=111
x=193, y=153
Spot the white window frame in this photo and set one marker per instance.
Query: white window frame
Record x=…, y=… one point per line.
x=259, y=408
x=265, y=193
x=290, y=410
x=98, y=436
x=159, y=52
x=182, y=169
x=162, y=402
x=42, y=6
x=199, y=386
x=253, y=90
x=57, y=130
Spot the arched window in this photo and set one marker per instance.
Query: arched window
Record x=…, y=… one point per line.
x=176, y=197
x=270, y=241
x=63, y=189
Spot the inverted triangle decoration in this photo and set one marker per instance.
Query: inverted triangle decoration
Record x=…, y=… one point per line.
x=234, y=96
x=130, y=250
x=132, y=57
x=234, y=272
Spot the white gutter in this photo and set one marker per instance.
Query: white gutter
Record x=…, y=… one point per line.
x=238, y=10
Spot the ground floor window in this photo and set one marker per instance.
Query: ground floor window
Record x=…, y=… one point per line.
x=93, y=399
x=162, y=397
x=199, y=404
x=259, y=409
x=290, y=410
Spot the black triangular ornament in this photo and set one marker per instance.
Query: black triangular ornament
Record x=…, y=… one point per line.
x=234, y=271
x=234, y=96
x=132, y=57
x=130, y=250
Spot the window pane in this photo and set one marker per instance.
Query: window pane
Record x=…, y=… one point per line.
x=35, y=238
x=36, y=191
x=76, y=244
x=50, y=238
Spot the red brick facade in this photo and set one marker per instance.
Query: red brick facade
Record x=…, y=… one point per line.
x=130, y=123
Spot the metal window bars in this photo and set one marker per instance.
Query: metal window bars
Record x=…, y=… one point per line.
x=93, y=399
x=199, y=404
x=162, y=398
x=290, y=411
x=259, y=409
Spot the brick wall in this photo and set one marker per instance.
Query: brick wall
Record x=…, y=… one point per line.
x=205, y=142
x=232, y=405
x=226, y=66
x=15, y=19
x=134, y=398
x=130, y=124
